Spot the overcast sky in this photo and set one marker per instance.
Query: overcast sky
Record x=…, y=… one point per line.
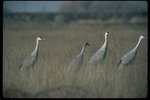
x=40, y=6
x=32, y=6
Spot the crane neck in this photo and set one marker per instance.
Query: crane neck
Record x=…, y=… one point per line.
x=136, y=47
x=106, y=40
x=82, y=51
x=35, y=52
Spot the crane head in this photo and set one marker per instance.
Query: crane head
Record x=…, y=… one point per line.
x=106, y=33
x=87, y=43
x=142, y=37
x=40, y=38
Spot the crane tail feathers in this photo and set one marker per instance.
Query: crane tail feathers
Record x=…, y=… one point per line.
x=20, y=66
x=119, y=62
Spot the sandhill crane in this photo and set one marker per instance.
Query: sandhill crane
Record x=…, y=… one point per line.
x=99, y=56
x=31, y=60
x=78, y=61
x=129, y=57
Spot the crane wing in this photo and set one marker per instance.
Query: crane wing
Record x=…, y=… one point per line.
x=29, y=62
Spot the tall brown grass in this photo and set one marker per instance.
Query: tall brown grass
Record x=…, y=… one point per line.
x=50, y=77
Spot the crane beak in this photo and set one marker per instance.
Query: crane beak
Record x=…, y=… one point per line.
x=43, y=39
x=88, y=44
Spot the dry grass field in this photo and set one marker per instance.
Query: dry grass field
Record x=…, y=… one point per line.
x=50, y=77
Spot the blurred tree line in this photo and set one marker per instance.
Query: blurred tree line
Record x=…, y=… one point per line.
x=84, y=10
x=102, y=6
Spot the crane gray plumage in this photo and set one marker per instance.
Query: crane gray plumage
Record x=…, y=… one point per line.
x=99, y=56
x=129, y=57
x=78, y=61
x=31, y=60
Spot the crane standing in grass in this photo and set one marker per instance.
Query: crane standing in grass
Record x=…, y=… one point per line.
x=31, y=60
x=129, y=57
x=75, y=64
x=78, y=61
x=99, y=56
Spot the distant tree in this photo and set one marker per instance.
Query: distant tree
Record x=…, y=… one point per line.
x=75, y=6
x=86, y=5
x=100, y=6
x=6, y=10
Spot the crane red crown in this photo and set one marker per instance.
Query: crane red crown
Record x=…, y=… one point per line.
x=143, y=35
